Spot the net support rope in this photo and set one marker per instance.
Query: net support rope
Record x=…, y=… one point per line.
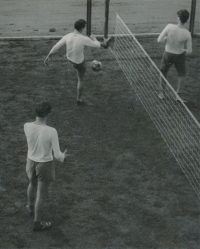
x=176, y=124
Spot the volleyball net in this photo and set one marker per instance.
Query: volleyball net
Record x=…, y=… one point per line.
x=176, y=124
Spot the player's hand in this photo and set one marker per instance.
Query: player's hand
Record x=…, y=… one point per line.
x=46, y=61
x=65, y=153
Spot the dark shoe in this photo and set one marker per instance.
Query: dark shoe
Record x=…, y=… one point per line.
x=41, y=226
x=79, y=102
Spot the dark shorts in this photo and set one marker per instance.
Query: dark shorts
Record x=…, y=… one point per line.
x=80, y=67
x=169, y=59
x=44, y=171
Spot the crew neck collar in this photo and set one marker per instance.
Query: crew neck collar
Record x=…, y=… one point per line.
x=77, y=32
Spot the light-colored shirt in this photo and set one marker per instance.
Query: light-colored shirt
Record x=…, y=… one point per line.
x=75, y=43
x=178, y=40
x=42, y=141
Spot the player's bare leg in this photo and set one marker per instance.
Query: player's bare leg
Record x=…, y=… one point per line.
x=80, y=85
x=31, y=192
x=41, y=194
x=180, y=86
x=42, y=191
x=162, y=86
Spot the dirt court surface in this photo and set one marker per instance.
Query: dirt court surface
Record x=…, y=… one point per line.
x=120, y=187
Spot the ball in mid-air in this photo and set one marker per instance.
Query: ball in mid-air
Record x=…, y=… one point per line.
x=96, y=66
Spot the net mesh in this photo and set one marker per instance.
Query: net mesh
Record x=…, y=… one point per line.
x=174, y=121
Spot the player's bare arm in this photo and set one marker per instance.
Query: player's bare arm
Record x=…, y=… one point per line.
x=105, y=43
x=163, y=36
x=65, y=153
x=55, y=48
x=188, y=49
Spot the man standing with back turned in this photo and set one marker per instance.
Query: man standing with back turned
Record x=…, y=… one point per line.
x=42, y=141
x=178, y=43
x=75, y=43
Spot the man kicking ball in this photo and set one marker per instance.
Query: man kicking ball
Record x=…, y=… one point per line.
x=75, y=43
x=178, y=43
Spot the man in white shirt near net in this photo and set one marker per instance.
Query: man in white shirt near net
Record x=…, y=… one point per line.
x=42, y=141
x=75, y=43
x=178, y=43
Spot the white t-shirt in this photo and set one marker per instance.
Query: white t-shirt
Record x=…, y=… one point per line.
x=42, y=140
x=75, y=43
x=176, y=39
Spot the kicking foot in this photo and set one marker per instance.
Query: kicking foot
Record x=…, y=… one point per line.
x=161, y=96
x=41, y=226
x=30, y=209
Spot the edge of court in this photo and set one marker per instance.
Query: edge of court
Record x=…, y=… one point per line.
x=15, y=38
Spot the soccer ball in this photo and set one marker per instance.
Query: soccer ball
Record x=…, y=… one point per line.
x=96, y=66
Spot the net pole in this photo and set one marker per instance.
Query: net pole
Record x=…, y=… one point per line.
x=192, y=16
x=89, y=17
x=107, y=2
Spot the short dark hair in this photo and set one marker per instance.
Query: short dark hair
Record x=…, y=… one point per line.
x=79, y=24
x=183, y=15
x=43, y=109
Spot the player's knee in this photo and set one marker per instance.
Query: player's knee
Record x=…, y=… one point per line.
x=42, y=189
x=33, y=182
x=80, y=85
